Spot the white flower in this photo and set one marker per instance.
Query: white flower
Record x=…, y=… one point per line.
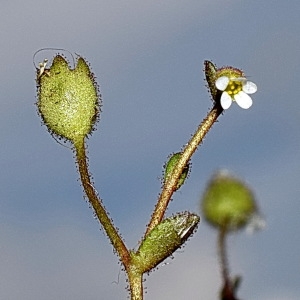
x=235, y=89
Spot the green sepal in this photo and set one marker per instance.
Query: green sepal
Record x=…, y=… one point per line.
x=210, y=71
x=164, y=240
x=68, y=99
x=170, y=166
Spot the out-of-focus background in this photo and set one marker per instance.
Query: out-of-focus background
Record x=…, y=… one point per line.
x=148, y=58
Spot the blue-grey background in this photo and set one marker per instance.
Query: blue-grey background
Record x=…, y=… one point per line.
x=148, y=58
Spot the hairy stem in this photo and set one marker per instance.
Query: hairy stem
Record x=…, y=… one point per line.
x=97, y=205
x=136, y=283
x=170, y=186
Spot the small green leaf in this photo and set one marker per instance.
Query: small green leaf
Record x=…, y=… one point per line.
x=164, y=240
x=170, y=166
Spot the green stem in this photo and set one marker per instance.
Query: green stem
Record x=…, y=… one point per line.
x=228, y=290
x=97, y=205
x=170, y=186
x=135, y=279
x=223, y=254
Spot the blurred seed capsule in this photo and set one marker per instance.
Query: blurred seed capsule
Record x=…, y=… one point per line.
x=228, y=202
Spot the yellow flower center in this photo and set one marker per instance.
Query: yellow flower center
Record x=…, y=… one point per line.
x=234, y=87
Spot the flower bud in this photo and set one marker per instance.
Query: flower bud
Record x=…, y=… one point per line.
x=68, y=99
x=164, y=240
x=227, y=202
x=169, y=168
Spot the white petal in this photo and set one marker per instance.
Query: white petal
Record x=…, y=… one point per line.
x=226, y=100
x=222, y=83
x=249, y=87
x=243, y=100
x=256, y=223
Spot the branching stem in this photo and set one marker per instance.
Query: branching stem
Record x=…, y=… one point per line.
x=135, y=278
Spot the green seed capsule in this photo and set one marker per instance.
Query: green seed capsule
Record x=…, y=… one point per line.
x=228, y=202
x=68, y=99
x=164, y=240
x=169, y=168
